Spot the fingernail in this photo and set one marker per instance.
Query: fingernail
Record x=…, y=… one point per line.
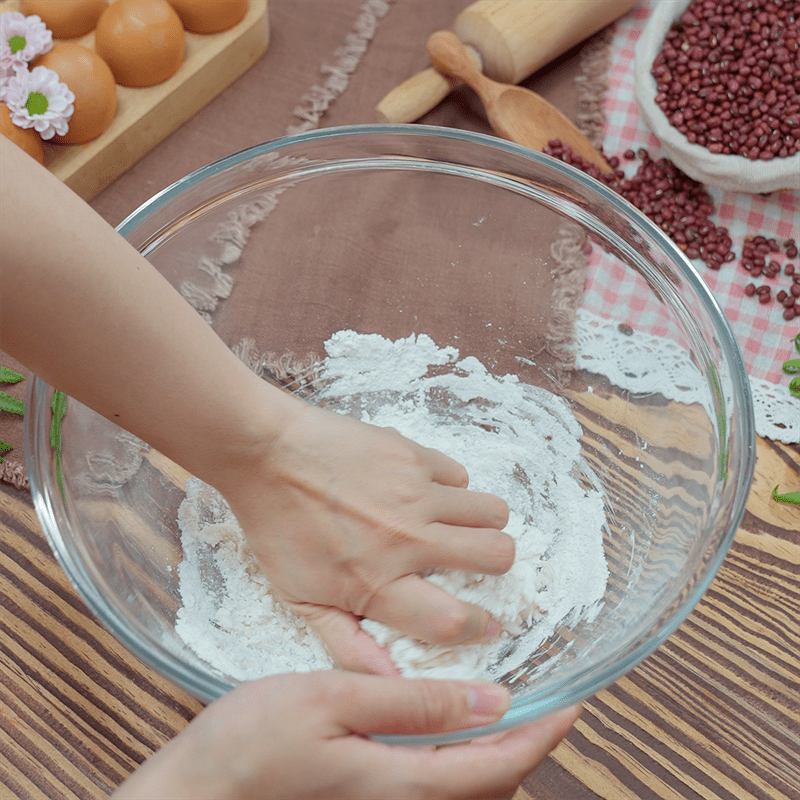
x=492, y=629
x=487, y=699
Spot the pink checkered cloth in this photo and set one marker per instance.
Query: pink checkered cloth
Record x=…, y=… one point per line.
x=762, y=333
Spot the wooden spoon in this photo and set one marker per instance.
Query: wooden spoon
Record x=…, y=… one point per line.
x=515, y=113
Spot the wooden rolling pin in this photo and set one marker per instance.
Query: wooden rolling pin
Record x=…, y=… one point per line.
x=509, y=40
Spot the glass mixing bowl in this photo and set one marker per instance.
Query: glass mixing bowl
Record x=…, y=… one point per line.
x=504, y=253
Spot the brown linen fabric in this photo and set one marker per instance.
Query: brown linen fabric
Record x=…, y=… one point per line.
x=355, y=51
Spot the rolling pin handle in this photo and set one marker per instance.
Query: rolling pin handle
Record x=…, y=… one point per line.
x=419, y=94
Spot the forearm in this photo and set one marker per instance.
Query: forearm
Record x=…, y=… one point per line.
x=86, y=312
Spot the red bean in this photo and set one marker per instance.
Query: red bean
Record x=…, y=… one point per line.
x=681, y=207
x=723, y=67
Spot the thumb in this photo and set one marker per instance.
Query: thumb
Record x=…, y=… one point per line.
x=350, y=647
x=385, y=705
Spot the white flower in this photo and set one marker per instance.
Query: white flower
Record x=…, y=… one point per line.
x=38, y=100
x=22, y=39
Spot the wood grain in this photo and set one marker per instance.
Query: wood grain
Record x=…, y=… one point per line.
x=77, y=711
x=714, y=713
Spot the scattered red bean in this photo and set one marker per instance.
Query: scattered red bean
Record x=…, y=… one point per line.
x=679, y=205
x=728, y=77
x=682, y=208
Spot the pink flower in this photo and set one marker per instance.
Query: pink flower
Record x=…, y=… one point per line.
x=22, y=39
x=38, y=100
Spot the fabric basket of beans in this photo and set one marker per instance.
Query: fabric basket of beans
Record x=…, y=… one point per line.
x=718, y=83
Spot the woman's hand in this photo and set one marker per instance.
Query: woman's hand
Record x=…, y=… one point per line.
x=303, y=736
x=343, y=517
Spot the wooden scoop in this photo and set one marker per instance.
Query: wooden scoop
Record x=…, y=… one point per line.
x=515, y=113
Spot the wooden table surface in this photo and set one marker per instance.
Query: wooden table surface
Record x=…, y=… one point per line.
x=714, y=713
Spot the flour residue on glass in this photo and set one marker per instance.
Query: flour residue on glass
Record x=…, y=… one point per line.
x=517, y=441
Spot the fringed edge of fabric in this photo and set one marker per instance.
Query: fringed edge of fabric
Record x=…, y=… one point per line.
x=347, y=57
x=15, y=475
x=568, y=250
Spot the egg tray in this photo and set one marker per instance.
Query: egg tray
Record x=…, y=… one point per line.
x=145, y=116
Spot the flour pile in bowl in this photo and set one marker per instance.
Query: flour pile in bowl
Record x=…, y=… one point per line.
x=517, y=441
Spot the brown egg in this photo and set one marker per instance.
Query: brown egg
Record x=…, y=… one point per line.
x=90, y=80
x=66, y=19
x=141, y=40
x=210, y=16
x=26, y=138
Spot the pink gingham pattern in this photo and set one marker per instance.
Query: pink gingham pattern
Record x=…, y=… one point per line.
x=762, y=333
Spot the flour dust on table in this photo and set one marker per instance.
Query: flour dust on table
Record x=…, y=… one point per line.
x=516, y=440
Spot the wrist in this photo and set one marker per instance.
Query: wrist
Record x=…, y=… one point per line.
x=245, y=442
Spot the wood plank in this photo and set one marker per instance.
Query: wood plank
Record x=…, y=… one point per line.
x=78, y=712
x=714, y=713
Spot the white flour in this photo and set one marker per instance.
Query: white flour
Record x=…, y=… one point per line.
x=517, y=441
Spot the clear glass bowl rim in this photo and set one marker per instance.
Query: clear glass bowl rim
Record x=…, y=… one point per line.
x=47, y=501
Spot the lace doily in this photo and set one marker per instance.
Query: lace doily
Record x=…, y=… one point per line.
x=644, y=364
x=777, y=412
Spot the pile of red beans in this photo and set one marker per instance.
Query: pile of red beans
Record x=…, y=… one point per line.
x=678, y=204
x=728, y=77
x=682, y=208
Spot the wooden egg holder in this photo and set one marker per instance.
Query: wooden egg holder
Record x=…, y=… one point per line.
x=146, y=116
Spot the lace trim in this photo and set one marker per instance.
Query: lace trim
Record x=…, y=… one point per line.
x=111, y=466
x=644, y=364
x=777, y=411
x=211, y=284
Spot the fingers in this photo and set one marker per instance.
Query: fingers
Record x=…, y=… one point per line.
x=377, y=705
x=444, y=469
x=497, y=765
x=350, y=647
x=481, y=768
x=455, y=506
x=486, y=552
x=424, y=611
